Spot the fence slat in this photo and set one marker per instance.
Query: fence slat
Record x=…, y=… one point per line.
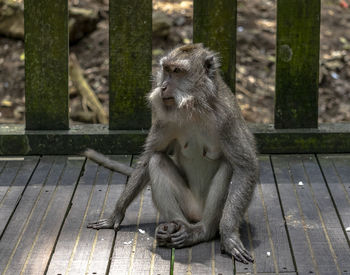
x=130, y=39
x=214, y=24
x=46, y=64
x=298, y=44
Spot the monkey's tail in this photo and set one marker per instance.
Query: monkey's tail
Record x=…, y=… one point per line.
x=108, y=163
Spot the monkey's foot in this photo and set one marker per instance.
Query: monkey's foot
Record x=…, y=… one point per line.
x=177, y=234
x=164, y=232
x=233, y=246
x=109, y=223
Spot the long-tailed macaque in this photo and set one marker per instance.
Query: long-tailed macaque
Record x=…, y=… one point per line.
x=199, y=157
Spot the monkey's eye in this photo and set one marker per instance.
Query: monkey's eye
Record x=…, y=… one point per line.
x=176, y=70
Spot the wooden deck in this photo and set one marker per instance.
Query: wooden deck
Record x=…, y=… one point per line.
x=296, y=223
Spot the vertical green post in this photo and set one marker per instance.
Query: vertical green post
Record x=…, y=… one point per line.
x=46, y=64
x=298, y=45
x=215, y=25
x=130, y=53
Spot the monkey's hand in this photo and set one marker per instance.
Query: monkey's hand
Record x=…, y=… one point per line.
x=233, y=246
x=108, y=223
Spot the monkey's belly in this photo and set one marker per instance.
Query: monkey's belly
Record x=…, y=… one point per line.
x=199, y=165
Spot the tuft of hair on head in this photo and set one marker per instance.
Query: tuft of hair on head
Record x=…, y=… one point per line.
x=191, y=47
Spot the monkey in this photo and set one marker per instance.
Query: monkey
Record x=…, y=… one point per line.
x=199, y=156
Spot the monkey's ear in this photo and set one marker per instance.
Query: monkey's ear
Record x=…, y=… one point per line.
x=211, y=65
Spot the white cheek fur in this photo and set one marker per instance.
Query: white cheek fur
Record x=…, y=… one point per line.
x=155, y=93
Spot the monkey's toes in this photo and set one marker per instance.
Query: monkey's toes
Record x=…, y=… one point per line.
x=167, y=228
x=164, y=232
x=101, y=224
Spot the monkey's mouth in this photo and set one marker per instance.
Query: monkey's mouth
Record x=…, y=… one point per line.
x=168, y=101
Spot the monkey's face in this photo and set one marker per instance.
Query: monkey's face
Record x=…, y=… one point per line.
x=185, y=81
x=173, y=87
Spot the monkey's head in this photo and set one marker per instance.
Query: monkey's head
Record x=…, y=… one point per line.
x=186, y=82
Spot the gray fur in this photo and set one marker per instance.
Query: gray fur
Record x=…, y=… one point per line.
x=199, y=156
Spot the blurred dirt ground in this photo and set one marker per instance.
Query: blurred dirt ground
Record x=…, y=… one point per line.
x=172, y=26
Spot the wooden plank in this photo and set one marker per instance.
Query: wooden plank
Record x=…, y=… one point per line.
x=130, y=61
x=44, y=227
x=12, y=236
x=332, y=227
x=85, y=240
x=14, y=140
x=145, y=249
x=127, y=237
x=14, y=184
x=249, y=273
x=46, y=66
x=314, y=221
x=104, y=239
x=214, y=24
x=204, y=258
x=311, y=219
x=135, y=250
x=8, y=175
x=224, y=264
x=74, y=222
x=37, y=209
x=77, y=245
x=161, y=260
x=298, y=45
x=335, y=170
x=297, y=228
x=275, y=224
x=183, y=258
x=265, y=229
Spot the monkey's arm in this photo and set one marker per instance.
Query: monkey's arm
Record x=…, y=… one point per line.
x=156, y=141
x=239, y=150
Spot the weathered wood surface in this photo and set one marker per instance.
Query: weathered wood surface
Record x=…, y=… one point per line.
x=130, y=61
x=297, y=63
x=214, y=25
x=46, y=66
x=317, y=238
x=31, y=233
x=299, y=214
x=14, y=140
x=76, y=248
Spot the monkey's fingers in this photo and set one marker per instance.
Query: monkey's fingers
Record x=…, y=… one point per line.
x=246, y=255
x=238, y=256
x=104, y=223
x=241, y=249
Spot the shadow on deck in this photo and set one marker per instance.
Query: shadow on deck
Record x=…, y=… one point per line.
x=296, y=223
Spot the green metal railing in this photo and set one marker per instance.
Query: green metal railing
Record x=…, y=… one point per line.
x=46, y=66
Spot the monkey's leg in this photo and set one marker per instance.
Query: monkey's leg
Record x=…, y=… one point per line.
x=171, y=196
x=239, y=196
x=207, y=228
